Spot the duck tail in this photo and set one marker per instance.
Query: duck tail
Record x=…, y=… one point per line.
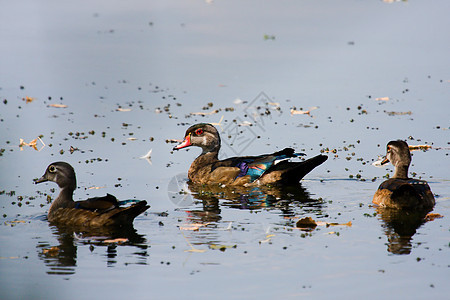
x=293, y=172
x=127, y=214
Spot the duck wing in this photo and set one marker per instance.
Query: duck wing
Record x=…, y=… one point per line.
x=256, y=166
x=84, y=219
x=98, y=204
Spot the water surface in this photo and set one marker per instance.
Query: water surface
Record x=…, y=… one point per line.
x=132, y=73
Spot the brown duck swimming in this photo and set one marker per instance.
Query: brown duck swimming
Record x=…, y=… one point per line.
x=265, y=169
x=93, y=212
x=401, y=192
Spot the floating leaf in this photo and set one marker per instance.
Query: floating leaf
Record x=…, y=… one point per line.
x=382, y=99
x=432, y=216
x=193, y=227
x=28, y=99
x=204, y=113
x=96, y=187
x=58, y=105
x=117, y=240
x=32, y=144
x=303, y=112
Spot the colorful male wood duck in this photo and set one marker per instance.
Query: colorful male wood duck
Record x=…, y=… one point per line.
x=273, y=169
x=93, y=212
x=401, y=192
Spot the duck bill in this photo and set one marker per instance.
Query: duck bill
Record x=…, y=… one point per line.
x=42, y=179
x=185, y=143
x=384, y=161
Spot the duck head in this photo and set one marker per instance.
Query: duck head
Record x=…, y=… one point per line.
x=202, y=135
x=397, y=152
x=61, y=173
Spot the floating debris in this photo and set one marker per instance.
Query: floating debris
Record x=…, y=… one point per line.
x=302, y=112
x=96, y=187
x=238, y=101
x=58, y=105
x=204, y=113
x=194, y=226
x=173, y=141
x=218, y=123
x=398, y=113
x=13, y=223
x=419, y=147
x=148, y=156
x=382, y=99
x=246, y=123
x=221, y=247
x=32, y=144
x=432, y=216
x=28, y=99
x=116, y=241
x=267, y=239
x=306, y=223
x=123, y=109
x=73, y=149
x=53, y=251
x=309, y=224
x=327, y=224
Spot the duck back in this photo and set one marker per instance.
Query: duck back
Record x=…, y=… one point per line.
x=404, y=194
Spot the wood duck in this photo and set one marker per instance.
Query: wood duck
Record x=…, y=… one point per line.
x=273, y=169
x=93, y=212
x=401, y=192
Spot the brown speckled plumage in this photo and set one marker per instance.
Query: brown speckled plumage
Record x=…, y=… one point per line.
x=208, y=169
x=94, y=212
x=401, y=192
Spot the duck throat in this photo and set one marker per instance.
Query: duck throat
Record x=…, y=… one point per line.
x=205, y=159
x=64, y=200
x=401, y=172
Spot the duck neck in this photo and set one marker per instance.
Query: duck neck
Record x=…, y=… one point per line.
x=401, y=172
x=64, y=200
x=204, y=159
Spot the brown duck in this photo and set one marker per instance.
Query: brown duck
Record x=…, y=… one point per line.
x=401, y=192
x=93, y=212
x=264, y=169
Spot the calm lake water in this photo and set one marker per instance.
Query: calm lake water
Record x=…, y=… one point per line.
x=112, y=80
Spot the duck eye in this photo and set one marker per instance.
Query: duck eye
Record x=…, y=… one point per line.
x=52, y=169
x=199, y=131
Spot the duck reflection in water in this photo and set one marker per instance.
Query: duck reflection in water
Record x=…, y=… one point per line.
x=62, y=259
x=402, y=202
x=400, y=227
x=284, y=198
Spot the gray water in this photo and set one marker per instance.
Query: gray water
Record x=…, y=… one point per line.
x=130, y=74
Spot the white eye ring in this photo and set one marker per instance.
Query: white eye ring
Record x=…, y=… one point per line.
x=52, y=169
